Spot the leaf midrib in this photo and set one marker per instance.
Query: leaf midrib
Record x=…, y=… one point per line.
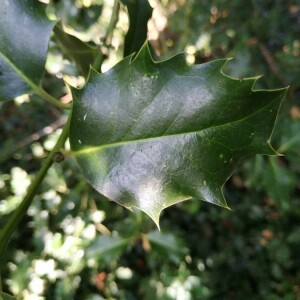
x=20, y=73
x=124, y=143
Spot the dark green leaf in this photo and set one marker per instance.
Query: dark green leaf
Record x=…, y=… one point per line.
x=4, y=296
x=149, y=135
x=76, y=50
x=279, y=183
x=166, y=242
x=274, y=178
x=106, y=247
x=79, y=17
x=24, y=37
x=139, y=12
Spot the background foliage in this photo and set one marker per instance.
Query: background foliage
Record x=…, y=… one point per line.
x=75, y=245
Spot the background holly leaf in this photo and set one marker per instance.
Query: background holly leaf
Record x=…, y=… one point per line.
x=273, y=177
x=107, y=248
x=77, y=16
x=139, y=12
x=4, y=296
x=24, y=37
x=149, y=135
x=75, y=50
x=167, y=243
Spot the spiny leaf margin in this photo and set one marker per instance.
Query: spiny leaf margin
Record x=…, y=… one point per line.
x=90, y=152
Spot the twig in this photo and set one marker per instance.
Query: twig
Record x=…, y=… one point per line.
x=44, y=95
x=106, y=40
x=270, y=60
x=8, y=152
x=18, y=214
x=112, y=23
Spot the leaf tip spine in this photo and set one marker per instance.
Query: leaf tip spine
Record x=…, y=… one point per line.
x=144, y=51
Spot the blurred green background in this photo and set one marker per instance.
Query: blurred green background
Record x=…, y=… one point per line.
x=74, y=244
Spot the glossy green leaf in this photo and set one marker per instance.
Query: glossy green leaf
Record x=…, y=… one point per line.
x=139, y=12
x=149, y=134
x=24, y=37
x=75, y=50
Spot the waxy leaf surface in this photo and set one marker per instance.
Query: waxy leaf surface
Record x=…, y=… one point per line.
x=24, y=37
x=149, y=134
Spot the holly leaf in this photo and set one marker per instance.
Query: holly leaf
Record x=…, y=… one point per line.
x=139, y=12
x=75, y=50
x=150, y=134
x=24, y=37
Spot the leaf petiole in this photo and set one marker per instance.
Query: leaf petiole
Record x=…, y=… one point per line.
x=35, y=87
x=43, y=94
